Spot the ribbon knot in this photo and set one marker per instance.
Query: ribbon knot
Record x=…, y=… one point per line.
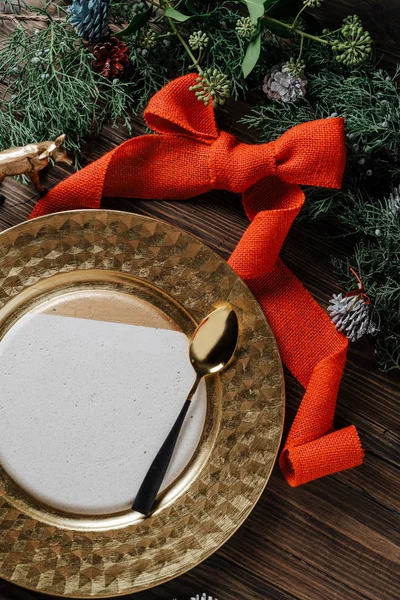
x=189, y=156
x=309, y=154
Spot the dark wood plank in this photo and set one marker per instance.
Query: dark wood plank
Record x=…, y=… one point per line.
x=336, y=538
x=276, y=551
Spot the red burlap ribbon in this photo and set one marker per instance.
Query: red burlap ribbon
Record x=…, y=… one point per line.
x=190, y=156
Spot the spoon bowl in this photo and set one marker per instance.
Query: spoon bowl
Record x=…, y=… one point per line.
x=214, y=341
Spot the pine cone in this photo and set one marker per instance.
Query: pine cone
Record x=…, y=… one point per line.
x=351, y=316
x=90, y=18
x=281, y=84
x=111, y=58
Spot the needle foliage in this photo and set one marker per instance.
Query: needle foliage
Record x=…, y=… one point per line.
x=51, y=88
x=369, y=100
x=48, y=86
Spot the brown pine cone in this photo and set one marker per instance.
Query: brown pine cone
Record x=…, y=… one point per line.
x=110, y=58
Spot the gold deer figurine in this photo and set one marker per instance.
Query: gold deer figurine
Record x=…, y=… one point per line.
x=32, y=158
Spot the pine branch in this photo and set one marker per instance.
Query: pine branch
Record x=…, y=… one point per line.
x=52, y=89
x=369, y=100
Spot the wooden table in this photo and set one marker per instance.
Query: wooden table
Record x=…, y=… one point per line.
x=334, y=539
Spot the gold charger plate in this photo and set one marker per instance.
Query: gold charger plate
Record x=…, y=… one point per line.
x=179, y=280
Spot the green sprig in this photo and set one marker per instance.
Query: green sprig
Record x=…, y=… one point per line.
x=369, y=99
x=376, y=257
x=52, y=89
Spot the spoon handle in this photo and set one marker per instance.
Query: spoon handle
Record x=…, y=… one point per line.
x=154, y=477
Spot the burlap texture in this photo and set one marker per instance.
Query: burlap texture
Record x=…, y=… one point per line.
x=190, y=156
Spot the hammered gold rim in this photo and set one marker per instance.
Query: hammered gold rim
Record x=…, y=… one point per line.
x=106, y=563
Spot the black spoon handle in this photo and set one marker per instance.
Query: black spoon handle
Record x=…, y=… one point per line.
x=152, y=482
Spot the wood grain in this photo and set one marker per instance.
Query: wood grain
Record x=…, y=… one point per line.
x=334, y=539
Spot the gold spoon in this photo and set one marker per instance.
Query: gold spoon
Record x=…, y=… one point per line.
x=211, y=349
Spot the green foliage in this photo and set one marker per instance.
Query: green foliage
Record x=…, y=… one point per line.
x=226, y=50
x=53, y=89
x=122, y=13
x=154, y=67
x=369, y=100
x=198, y=40
x=50, y=88
x=354, y=44
x=176, y=15
x=150, y=75
x=351, y=43
x=256, y=9
x=376, y=258
x=252, y=55
x=245, y=28
x=137, y=21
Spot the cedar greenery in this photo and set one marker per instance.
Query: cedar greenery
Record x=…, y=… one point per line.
x=52, y=88
x=49, y=87
x=369, y=99
x=374, y=224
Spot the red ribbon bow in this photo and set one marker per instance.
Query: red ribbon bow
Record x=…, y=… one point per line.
x=190, y=156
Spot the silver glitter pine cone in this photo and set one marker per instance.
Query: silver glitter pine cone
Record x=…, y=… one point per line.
x=351, y=316
x=285, y=86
